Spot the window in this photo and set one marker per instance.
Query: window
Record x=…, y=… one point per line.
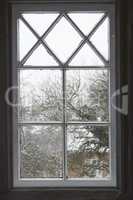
x=64, y=124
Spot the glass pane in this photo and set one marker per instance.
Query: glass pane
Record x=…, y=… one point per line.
x=26, y=40
x=86, y=21
x=86, y=57
x=63, y=39
x=40, y=95
x=41, y=151
x=88, y=152
x=87, y=94
x=41, y=57
x=40, y=22
x=101, y=39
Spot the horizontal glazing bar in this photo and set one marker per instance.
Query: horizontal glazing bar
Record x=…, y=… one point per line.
x=40, y=123
x=62, y=67
x=90, y=123
x=67, y=123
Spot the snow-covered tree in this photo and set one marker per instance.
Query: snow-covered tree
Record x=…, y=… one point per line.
x=86, y=100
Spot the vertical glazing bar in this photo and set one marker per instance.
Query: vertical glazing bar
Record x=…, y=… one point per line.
x=64, y=125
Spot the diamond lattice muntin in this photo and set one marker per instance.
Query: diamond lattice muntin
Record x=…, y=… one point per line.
x=63, y=37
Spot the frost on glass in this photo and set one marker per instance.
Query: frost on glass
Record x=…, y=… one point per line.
x=63, y=39
x=41, y=57
x=40, y=95
x=41, y=151
x=86, y=57
x=87, y=95
x=88, y=152
x=40, y=22
x=86, y=21
x=101, y=38
x=26, y=39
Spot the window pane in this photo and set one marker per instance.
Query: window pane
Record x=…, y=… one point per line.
x=88, y=152
x=40, y=95
x=26, y=39
x=86, y=21
x=41, y=151
x=63, y=39
x=101, y=39
x=41, y=57
x=40, y=22
x=86, y=57
x=87, y=93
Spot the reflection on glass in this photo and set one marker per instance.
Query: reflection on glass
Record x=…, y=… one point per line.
x=41, y=151
x=86, y=57
x=40, y=22
x=101, y=39
x=88, y=152
x=87, y=95
x=63, y=39
x=26, y=39
x=86, y=21
x=40, y=95
x=41, y=57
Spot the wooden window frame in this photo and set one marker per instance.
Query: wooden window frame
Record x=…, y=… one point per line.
x=123, y=191
x=108, y=11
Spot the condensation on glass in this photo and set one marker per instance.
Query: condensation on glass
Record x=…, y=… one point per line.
x=64, y=121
